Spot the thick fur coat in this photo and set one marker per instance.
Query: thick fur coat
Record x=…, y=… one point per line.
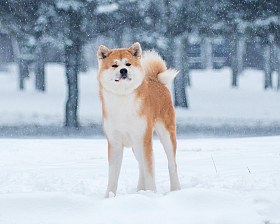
x=135, y=101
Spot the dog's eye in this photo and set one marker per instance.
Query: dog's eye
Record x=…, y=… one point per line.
x=127, y=64
x=115, y=66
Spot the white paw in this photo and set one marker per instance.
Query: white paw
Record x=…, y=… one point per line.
x=109, y=195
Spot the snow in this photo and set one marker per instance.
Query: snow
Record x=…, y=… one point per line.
x=224, y=180
x=107, y=8
x=64, y=180
x=66, y=5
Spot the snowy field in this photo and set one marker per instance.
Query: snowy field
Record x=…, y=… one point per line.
x=63, y=181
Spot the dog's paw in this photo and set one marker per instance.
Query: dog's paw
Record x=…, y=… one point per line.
x=109, y=194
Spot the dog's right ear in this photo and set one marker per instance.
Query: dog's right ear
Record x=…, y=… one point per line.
x=103, y=52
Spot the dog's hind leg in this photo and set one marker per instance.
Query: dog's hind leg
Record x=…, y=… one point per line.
x=144, y=153
x=168, y=140
x=141, y=181
x=115, y=155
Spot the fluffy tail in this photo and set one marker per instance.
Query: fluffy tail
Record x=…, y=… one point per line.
x=155, y=68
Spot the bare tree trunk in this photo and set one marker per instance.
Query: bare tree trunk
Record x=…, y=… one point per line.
x=267, y=66
x=22, y=63
x=206, y=53
x=179, y=81
x=240, y=54
x=73, y=54
x=40, y=68
x=15, y=48
x=278, y=84
x=234, y=60
x=23, y=72
x=277, y=49
x=184, y=63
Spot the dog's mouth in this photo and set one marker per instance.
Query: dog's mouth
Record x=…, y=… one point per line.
x=117, y=80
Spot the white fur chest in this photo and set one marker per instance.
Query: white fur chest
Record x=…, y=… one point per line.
x=122, y=117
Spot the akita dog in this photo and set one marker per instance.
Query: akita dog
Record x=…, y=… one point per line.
x=135, y=101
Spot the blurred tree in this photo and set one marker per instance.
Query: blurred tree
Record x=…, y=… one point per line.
x=233, y=16
x=119, y=21
x=251, y=18
x=65, y=24
x=180, y=18
x=69, y=24
x=206, y=20
x=267, y=27
x=74, y=28
x=26, y=20
x=43, y=29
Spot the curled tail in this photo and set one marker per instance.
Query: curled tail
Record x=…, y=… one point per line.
x=155, y=68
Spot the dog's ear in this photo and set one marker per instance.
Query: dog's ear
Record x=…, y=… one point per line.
x=103, y=52
x=136, y=50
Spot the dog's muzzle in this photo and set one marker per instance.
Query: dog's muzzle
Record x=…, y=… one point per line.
x=123, y=75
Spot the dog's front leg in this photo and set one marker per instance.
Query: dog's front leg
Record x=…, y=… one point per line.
x=139, y=157
x=115, y=155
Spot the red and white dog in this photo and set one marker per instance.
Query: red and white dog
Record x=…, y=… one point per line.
x=134, y=102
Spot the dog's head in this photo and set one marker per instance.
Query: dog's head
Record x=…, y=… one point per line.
x=120, y=70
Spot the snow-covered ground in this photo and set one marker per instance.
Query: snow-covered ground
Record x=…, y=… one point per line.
x=212, y=101
x=63, y=181
x=224, y=180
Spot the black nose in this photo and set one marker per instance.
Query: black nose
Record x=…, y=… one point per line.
x=123, y=72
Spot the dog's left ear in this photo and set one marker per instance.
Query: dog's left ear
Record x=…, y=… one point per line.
x=136, y=50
